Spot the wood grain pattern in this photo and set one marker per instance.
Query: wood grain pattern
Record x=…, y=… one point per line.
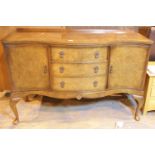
x=79, y=84
x=78, y=70
x=121, y=58
x=4, y=80
x=79, y=55
x=75, y=94
x=29, y=67
x=75, y=37
x=5, y=30
x=128, y=63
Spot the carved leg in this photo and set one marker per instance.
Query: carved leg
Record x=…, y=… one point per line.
x=138, y=102
x=13, y=102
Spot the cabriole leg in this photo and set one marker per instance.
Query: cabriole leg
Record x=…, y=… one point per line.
x=137, y=101
x=140, y=103
x=13, y=103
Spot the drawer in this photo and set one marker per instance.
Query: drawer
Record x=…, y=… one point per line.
x=79, y=84
x=76, y=55
x=78, y=70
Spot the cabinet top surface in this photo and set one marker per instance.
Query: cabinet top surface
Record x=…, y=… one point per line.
x=76, y=37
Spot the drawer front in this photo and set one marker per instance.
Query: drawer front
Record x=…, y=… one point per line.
x=79, y=84
x=75, y=55
x=78, y=70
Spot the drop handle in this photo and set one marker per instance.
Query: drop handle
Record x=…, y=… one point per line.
x=61, y=54
x=45, y=69
x=110, y=69
x=95, y=83
x=61, y=69
x=96, y=55
x=62, y=84
x=96, y=69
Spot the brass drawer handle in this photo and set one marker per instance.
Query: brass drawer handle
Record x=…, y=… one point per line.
x=61, y=69
x=96, y=69
x=45, y=69
x=61, y=54
x=62, y=84
x=97, y=55
x=95, y=83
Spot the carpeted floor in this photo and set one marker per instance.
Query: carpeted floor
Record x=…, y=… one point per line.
x=66, y=114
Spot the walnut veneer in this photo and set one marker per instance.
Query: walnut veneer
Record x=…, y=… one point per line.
x=77, y=64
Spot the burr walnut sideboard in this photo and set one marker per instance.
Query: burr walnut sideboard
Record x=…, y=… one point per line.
x=77, y=64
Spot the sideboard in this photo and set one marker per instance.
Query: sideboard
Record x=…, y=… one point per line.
x=77, y=64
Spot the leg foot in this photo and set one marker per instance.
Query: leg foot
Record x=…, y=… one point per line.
x=138, y=102
x=15, y=121
x=13, y=107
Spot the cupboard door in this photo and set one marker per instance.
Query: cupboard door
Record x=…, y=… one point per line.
x=29, y=67
x=127, y=67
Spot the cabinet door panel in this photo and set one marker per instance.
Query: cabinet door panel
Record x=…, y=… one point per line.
x=29, y=67
x=127, y=65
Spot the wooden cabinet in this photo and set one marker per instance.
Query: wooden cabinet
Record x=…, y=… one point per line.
x=77, y=64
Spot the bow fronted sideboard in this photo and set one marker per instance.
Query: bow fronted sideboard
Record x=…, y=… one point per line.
x=77, y=64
